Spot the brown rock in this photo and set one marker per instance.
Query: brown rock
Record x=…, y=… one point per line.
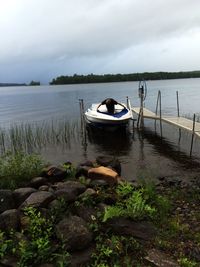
x=108, y=161
x=104, y=173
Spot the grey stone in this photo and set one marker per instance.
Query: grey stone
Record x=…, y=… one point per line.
x=89, y=192
x=88, y=214
x=54, y=173
x=10, y=219
x=44, y=188
x=39, y=199
x=21, y=194
x=81, y=258
x=75, y=186
x=9, y=261
x=160, y=259
x=66, y=193
x=142, y=230
x=37, y=182
x=74, y=233
x=6, y=200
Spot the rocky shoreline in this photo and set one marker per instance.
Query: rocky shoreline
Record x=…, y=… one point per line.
x=76, y=198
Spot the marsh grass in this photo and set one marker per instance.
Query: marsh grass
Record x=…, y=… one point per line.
x=29, y=137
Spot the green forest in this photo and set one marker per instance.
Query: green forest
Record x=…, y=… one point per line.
x=94, y=78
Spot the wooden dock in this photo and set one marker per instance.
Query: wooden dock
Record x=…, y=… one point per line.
x=179, y=122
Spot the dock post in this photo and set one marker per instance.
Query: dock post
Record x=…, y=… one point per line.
x=81, y=106
x=160, y=111
x=193, y=131
x=177, y=101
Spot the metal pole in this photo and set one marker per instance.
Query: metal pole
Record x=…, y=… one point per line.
x=160, y=113
x=177, y=100
x=193, y=131
x=127, y=102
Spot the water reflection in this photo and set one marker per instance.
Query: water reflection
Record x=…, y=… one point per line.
x=117, y=143
x=169, y=149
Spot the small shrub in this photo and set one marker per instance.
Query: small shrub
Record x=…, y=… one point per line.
x=38, y=248
x=16, y=169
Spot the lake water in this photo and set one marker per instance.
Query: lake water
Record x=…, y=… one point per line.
x=142, y=153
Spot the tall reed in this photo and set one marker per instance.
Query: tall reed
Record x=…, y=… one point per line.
x=29, y=137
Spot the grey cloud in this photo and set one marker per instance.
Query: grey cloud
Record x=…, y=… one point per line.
x=69, y=34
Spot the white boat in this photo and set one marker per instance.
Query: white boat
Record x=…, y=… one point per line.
x=101, y=117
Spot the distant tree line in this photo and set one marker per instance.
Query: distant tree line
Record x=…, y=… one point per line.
x=94, y=78
x=32, y=83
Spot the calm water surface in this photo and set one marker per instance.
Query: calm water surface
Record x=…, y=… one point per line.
x=140, y=152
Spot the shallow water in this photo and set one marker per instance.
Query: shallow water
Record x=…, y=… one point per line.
x=142, y=153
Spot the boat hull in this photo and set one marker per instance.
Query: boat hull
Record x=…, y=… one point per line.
x=103, y=119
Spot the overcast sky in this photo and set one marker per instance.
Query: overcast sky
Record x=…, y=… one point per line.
x=43, y=39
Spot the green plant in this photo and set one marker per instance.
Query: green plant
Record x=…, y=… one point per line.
x=124, y=189
x=38, y=247
x=134, y=207
x=5, y=245
x=185, y=262
x=70, y=169
x=114, y=251
x=15, y=169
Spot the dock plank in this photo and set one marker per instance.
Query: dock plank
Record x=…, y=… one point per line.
x=180, y=122
x=146, y=113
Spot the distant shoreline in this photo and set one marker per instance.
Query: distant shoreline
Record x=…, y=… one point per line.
x=12, y=84
x=105, y=78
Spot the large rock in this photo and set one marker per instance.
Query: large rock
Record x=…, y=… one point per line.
x=8, y=261
x=108, y=161
x=6, y=200
x=83, y=167
x=159, y=259
x=104, y=173
x=141, y=230
x=21, y=194
x=76, y=187
x=10, y=220
x=74, y=233
x=88, y=214
x=81, y=258
x=37, y=182
x=67, y=194
x=54, y=174
x=39, y=199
